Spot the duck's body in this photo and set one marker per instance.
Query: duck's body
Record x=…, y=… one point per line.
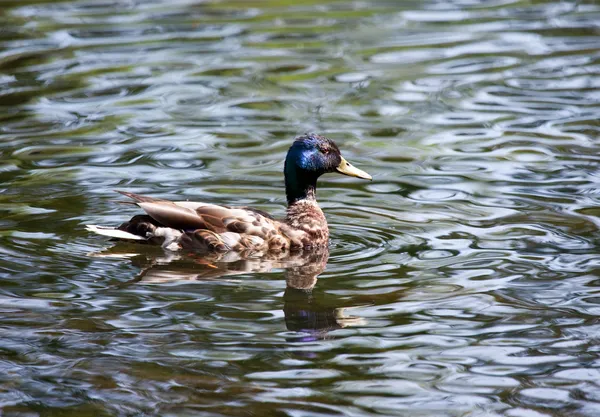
x=214, y=228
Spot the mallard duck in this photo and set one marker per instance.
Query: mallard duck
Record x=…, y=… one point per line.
x=214, y=228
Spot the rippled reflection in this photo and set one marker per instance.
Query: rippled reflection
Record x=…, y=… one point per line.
x=304, y=312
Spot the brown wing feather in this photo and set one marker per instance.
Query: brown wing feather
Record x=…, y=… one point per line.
x=167, y=213
x=174, y=216
x=199, y=216
x=140, y=198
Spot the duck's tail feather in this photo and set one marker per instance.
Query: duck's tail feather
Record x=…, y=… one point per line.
x=112, y=232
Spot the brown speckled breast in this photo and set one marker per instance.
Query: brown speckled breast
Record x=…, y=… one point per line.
x=307, y=217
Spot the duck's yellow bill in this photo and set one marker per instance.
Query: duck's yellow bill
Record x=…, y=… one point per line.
x=346, y=168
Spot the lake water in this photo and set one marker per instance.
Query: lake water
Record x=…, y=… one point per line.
x=463, y=281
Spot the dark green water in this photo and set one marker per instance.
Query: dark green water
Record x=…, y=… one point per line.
x=462, y=282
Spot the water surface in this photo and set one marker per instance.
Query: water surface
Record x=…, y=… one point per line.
x=461, y=281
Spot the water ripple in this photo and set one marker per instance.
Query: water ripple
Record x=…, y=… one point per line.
x=461, y=281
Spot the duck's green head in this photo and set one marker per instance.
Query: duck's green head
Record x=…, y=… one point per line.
x=309, y=157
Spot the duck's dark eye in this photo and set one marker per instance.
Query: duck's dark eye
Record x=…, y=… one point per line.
x=325, y=151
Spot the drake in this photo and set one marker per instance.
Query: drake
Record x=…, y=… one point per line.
x=213, y=228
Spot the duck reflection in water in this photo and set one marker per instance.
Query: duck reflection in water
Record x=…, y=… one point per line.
x=312, y=313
